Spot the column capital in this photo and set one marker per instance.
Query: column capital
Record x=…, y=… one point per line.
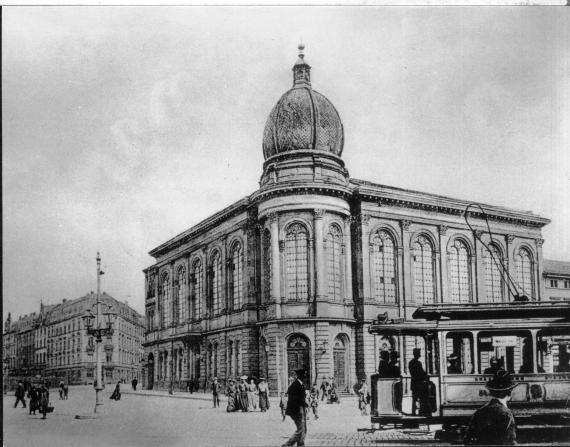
x=510, y=238
x=281, y=245
x=272, y=217
x=477, y=234
x=405, y=224
x=442, y=229
x=319, y=213
x=539, y=242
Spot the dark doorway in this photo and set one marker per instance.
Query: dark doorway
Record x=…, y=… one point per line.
x=340, y=362
x=298, y=357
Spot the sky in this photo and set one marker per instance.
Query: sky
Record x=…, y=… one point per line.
x=124, y=126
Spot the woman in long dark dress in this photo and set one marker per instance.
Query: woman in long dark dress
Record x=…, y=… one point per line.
x=242, y=394
x=117, y=392
x=263, y=395
x=44, y=401
x=232, y=398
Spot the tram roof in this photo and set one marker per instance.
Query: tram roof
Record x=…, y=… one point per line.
x=493, y=311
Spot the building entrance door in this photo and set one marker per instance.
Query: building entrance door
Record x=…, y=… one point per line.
x=298, y=357
x=340, y=364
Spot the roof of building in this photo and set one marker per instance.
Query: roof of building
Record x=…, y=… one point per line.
x=556, y=267
x=303, y=119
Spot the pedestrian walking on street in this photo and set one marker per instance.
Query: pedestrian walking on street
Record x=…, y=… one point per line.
x=314, y=401
x=297, y=408
x=263, y=390
x=493, y=423
x=44, y=401
x=116, y=392
x=242, y=394
x=33, y=394
x=134, y=383
x=324, y=388
x=363, y=397
x=20, y=395
x=216, y=392
x=283, y=405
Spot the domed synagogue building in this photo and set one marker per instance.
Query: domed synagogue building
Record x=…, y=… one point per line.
x=292, y=275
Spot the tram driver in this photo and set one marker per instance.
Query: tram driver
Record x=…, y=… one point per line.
x=419, y=385
x=454, y=366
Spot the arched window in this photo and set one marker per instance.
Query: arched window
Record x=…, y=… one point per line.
x=383, y=267
x=216, y=283
x=165, y=301
x=297, y=262
x=459, y=271
x=524, y=266
x=267, y=265
x=236, y=276
x=334, y=257
x=493, y=279
x=197, y=280
x=424, y=268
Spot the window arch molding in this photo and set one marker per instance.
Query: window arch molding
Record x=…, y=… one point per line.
x=392, y=232
x=289, y=222
x=525, y=246
x=429, y=235
x=165, y=297
x=180, y=297
x=464, y=239
x=334, y=248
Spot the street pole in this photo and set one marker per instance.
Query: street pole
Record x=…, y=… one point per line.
x=98, y=340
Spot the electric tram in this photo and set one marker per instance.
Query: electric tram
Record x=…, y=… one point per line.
x=530, y=339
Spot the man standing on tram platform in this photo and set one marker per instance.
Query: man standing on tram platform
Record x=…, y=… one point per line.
x=493, y=423
x=419, y=385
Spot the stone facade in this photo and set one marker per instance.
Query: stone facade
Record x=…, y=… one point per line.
x=292, y=275
x=54, y=343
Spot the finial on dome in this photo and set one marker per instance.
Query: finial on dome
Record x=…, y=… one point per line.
x=301, y=70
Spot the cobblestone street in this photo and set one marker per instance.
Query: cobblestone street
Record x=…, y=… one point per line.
x=148, y=419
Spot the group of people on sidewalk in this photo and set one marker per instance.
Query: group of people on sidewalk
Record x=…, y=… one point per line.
x=243, y=396
x=38, y=395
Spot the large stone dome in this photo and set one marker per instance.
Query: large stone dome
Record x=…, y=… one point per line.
x=303, y=119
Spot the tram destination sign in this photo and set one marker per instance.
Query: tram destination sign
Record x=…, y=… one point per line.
x=503, y=341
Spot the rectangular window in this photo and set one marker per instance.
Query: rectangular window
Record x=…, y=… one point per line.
x=554, y=283
x=567, y=284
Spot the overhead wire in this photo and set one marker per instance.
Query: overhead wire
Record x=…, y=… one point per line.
x=503, y=270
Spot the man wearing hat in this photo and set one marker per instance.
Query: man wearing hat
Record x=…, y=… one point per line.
x=494, y=368
x=453, y=367
x=419, y=385
x=296, y=408
x=493, y=423
x=216, y=392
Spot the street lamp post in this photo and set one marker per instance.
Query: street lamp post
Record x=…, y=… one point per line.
x=99, y=325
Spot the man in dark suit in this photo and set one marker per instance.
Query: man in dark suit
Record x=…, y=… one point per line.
x=493, y=423
x=296, y=408
x=419, y=384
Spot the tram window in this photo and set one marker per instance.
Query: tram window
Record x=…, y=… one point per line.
x=553, y=351
x=459, y=349
x=511, y=351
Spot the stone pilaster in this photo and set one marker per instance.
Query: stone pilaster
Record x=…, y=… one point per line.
x=320, y=269
x=541, y=284
x=348, y=263
x=275, y=264
x=404, y=277
x=444, y=283
x=480, y=294
x=323, y=351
